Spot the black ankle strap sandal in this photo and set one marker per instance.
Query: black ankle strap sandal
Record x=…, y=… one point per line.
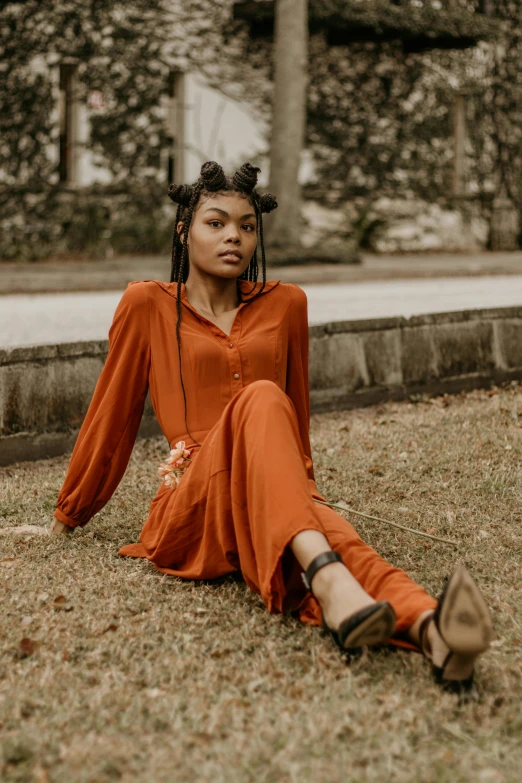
x=372, y=625
x=463, y=621
x=318, y=562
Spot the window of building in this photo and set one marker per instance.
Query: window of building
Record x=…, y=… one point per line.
x=68, y=121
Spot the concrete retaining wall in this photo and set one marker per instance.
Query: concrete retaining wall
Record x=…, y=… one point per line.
x=45, y=390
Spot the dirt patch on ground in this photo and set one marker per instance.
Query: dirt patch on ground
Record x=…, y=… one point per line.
x=112, y=671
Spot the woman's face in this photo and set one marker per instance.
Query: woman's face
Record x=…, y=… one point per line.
x=222, y=237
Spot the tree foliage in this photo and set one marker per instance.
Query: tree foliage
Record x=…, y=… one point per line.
x=380, y=117
x=499, y=115
x=378, y=121
x=124, y=49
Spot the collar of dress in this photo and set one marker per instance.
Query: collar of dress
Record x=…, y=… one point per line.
x=248, y=289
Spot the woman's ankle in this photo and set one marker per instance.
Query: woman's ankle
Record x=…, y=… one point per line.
x=339, y=594
x=327, y=579
x=419, y=631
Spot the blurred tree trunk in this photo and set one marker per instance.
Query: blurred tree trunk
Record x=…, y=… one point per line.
x=288, y=120
x=459, y=141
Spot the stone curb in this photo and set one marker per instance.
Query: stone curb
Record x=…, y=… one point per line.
x=45, y=390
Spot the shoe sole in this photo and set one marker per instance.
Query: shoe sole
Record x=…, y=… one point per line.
x=465, y=621
x=376, y=629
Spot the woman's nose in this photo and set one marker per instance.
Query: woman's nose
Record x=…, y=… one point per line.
x=233, y=235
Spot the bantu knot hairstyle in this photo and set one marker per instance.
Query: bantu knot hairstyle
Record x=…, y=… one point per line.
x=181, y=194
x=245, y=178
x=213, y=177
x=267, y=202
x=212, y=180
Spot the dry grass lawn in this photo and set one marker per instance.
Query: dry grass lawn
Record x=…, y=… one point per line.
x=135, y=676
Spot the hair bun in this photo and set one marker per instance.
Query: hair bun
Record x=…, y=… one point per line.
x=245, y=178
x=267, y=202
x=213, y=176
x=181, y=194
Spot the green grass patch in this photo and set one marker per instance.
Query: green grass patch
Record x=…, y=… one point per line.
x=137, y=676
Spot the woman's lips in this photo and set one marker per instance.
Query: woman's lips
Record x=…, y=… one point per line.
x=229, y=257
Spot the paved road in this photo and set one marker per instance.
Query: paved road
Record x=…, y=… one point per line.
x=54, y=318
x=113, y=275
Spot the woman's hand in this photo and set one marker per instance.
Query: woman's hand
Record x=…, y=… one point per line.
x=56, y=528
x=25, y=530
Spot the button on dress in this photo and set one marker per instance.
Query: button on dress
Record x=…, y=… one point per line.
x=250, y=486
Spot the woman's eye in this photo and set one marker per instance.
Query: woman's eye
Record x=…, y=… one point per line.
x=218, y=223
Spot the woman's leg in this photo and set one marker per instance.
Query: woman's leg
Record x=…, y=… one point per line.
x=274, y=514
x=337, y=591
x=279, y=528
x=242, y=504
x=379, y=579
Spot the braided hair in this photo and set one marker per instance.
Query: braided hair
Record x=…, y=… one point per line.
x=213, y=181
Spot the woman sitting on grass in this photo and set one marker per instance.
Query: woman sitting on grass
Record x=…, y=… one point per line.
x=226, y=361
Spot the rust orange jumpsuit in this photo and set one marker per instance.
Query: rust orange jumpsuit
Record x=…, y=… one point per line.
x=250, y=487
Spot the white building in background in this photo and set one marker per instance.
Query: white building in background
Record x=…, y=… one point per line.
x=202, y=124
x=218, y=128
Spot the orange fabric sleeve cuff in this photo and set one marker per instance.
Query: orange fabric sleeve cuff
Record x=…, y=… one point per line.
x=61, y=517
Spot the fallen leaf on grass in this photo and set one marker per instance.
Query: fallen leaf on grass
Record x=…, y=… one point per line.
x=235, y=702
x=111, y=627
x=220, y=652
x=60, y=604
x=26, y=648
x=9, y=562
x=199, y=738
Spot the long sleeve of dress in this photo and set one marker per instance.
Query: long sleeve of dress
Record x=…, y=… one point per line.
x=297, y=381
x=108, y=433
